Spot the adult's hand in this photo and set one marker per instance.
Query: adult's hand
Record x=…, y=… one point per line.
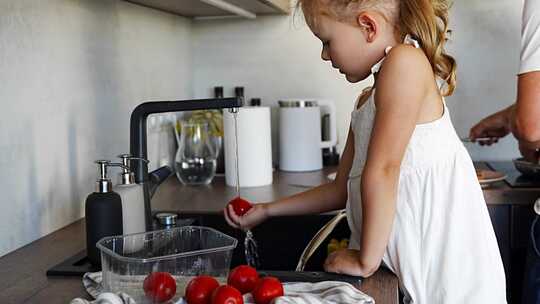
x=494, y=126
x=529, y=151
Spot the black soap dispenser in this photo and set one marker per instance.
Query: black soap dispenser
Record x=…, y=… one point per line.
x=103, y=211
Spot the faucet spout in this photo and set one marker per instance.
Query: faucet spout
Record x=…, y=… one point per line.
x=138, y=137
x=139, y=115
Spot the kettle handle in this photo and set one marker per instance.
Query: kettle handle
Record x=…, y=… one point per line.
x=333, y=129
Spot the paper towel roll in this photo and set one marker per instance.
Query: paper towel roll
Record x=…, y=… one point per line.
x=254, y=147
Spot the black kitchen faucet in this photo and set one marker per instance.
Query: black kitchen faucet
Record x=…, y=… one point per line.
x=138, y=139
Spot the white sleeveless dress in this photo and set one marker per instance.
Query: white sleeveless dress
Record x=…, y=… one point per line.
x=442, y=246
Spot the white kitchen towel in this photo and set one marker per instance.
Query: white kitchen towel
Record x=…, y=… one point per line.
x=92, y=284
x=106, y=298
x=327, y=292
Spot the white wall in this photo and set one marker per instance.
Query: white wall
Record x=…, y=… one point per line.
x=486, y=43
x=275, y=57
x=70, y=74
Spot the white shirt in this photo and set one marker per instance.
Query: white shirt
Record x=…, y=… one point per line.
x=530, y=37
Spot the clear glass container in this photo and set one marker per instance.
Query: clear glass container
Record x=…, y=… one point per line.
x=184, y=252
x=196, y=158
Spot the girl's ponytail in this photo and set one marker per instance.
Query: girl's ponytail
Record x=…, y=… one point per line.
x=427, y=21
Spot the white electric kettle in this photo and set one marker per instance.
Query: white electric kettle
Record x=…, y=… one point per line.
x=300, y=139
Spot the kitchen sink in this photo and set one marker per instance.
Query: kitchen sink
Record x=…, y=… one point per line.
x=281, y=240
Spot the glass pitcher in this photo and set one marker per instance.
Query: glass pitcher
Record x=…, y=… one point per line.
x=195, y=160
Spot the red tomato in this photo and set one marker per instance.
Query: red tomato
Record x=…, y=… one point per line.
x=159, y=286
x=267, y=289
x=240, y=205
x=226, y=294
x=243, y=278
x=199, y=290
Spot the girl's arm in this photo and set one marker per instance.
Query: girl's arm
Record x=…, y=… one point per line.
x=327, y=197
x=399, y=96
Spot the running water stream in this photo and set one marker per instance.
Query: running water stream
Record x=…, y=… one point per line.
x=250, y=245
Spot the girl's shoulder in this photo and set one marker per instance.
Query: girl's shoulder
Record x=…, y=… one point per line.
x=407, y=59
x=406, y=75
x=406, y=69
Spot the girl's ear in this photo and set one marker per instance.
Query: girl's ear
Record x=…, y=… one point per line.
x=368, y=24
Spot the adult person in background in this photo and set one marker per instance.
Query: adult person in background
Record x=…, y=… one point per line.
x=522, y=119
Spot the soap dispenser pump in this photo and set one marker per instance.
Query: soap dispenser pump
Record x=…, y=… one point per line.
x=132, y=197
x=103, y=212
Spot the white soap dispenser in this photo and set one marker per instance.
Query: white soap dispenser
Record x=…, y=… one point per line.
x=132, y=195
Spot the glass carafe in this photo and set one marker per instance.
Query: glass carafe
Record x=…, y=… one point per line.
x=195, y=160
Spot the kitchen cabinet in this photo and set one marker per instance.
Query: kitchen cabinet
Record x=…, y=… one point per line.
x=218, y=8
x=500, y=219
x=512, y=228
x=521, y=218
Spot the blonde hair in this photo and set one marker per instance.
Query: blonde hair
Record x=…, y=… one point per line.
x=424, y=20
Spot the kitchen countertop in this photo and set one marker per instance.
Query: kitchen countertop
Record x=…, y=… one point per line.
x=502, y=194
x=172, y=196
x=23, y=271
x=24, y=279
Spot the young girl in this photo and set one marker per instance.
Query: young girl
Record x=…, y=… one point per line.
x=409, y=186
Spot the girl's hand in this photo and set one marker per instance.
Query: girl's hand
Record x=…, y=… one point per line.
x=345, y=261
x=256, y=215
